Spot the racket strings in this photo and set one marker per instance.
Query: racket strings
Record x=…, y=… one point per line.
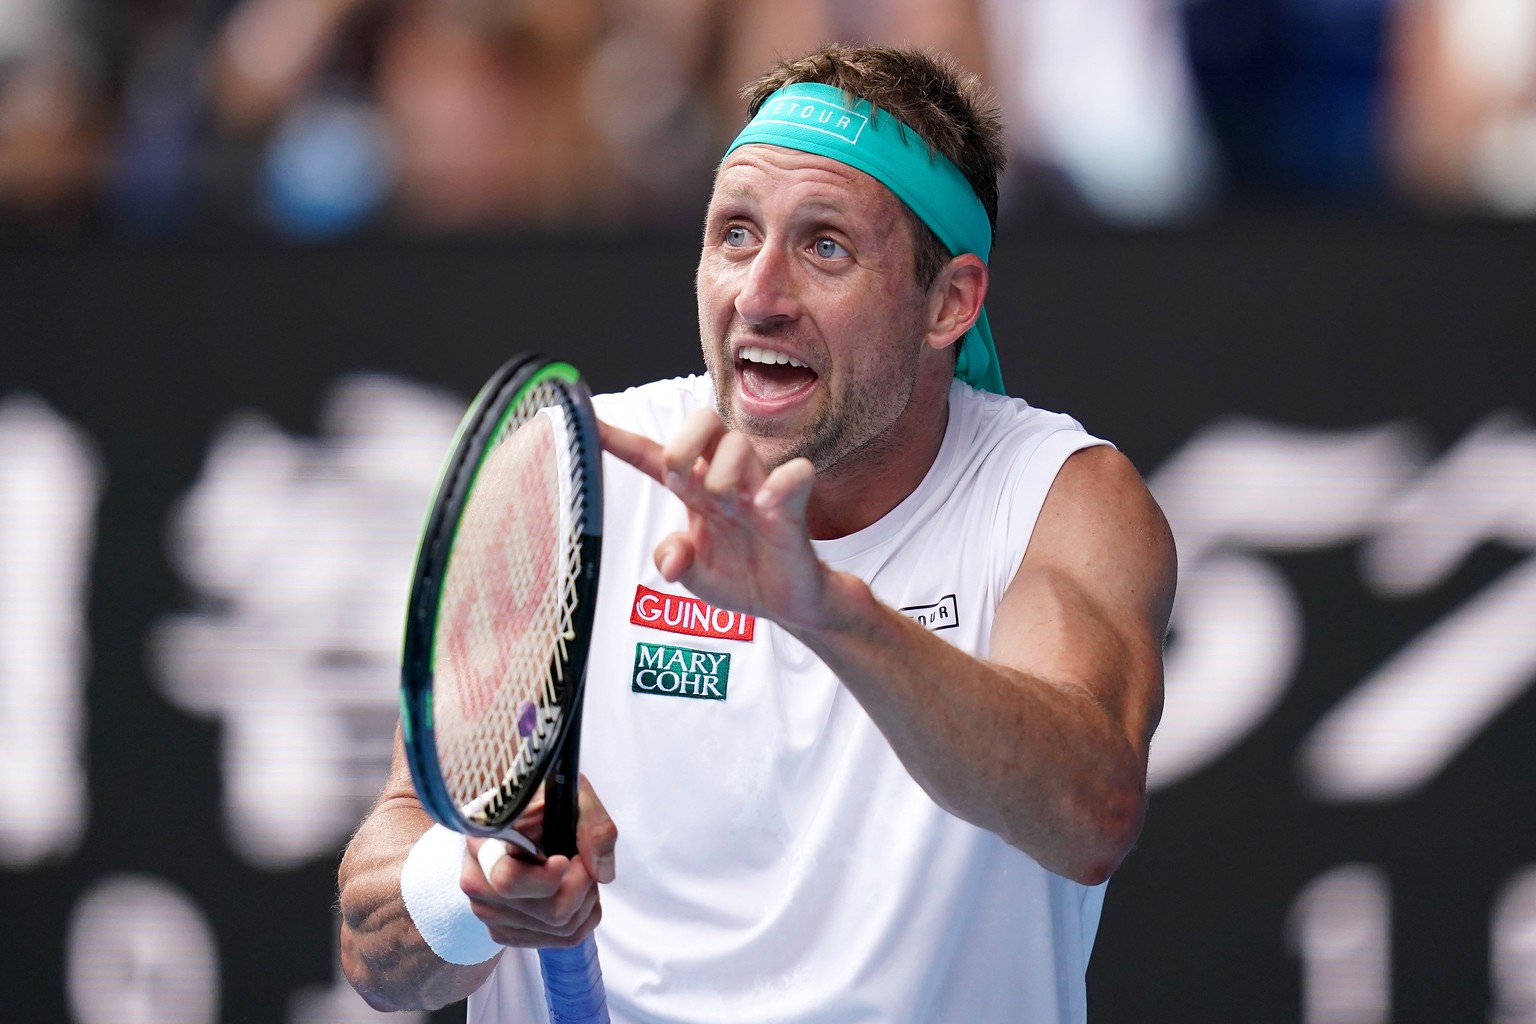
x=510, y=600
x=576, y=502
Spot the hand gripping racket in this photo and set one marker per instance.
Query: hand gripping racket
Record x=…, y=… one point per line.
x=498, y=626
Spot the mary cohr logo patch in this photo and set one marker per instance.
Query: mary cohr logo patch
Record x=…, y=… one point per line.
x=680, y=672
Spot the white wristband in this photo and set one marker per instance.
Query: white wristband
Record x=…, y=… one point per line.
x=429, y=884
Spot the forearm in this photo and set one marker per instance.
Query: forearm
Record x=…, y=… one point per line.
x=1040, y=764
x=382, y=953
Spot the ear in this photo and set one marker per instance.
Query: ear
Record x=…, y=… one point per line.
x=955, y=300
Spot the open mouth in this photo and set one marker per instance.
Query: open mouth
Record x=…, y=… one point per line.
x=769, y=375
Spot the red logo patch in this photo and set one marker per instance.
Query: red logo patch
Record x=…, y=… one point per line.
x=688, y=615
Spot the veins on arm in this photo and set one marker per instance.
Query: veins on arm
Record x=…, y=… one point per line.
x=383, y=955
x=1044, y=743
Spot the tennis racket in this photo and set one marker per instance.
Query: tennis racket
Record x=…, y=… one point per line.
x=498, y=626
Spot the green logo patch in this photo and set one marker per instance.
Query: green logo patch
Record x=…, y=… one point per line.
x=680, y=672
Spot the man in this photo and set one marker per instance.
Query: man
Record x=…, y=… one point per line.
x=925, y=622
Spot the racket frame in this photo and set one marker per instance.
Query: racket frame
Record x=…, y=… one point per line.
x=478, y=433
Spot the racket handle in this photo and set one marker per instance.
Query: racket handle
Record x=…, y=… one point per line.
x=573, y=984
x=562, y=792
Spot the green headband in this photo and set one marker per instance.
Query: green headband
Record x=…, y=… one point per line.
x=816, y=118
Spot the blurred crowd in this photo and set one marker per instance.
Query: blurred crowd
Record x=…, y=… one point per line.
x=321, y=118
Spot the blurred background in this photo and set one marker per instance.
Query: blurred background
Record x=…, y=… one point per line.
x=322, y=118
x=255, y=256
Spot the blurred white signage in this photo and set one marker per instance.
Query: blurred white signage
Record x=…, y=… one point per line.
x=301, y=553
x=50, y=480
x=1239, y=490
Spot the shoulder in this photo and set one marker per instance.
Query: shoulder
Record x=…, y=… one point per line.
x=1002, y=427
x=1081, y=508
x=1101, y=525
x=1098, y=483
x=1010, y=455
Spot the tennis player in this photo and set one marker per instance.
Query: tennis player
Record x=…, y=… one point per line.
x=878, y=649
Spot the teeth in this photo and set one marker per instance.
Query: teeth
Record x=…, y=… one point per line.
x=767, y=356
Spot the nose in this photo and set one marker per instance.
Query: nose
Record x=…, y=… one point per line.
x=768, y=291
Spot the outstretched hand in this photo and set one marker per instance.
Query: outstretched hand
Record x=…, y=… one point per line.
x=747, y=547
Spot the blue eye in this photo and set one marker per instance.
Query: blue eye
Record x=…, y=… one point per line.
x=828, y=249
x=735, y=236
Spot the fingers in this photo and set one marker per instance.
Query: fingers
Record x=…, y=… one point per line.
x=596, y=835
x=552, y=903
x=567, y=914
x=636, y=449
x=735, y=473
x=714, y=471
x=555, y=903
x=490, y=874
x=694, y=441
x=787, y=489
x=719, y=476
x=673, y=463
x=675, y=556
x=710, y=468
x=489, y=855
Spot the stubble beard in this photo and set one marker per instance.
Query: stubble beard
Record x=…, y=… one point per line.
x=851, y=424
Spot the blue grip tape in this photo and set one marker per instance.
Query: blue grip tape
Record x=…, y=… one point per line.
x=573, y=984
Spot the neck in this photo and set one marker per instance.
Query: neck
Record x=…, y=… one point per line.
x=869, y=482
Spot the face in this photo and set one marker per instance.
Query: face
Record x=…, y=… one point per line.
x=809, y=312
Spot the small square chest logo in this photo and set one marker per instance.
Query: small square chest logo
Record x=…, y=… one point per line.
x=942, y=614
x=680, y=672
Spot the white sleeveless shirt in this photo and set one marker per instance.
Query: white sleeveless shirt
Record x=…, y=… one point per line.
x=775, y=861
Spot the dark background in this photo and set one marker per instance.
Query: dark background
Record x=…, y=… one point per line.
x=1148, y=337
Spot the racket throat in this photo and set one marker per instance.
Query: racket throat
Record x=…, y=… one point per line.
x=525, y=848
x=561, y=791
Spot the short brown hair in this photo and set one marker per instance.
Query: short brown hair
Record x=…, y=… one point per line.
x=929, y=93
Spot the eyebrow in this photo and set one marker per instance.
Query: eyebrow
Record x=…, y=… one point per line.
x=735, y=190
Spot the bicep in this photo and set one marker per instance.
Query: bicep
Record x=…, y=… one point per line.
x=1088, y=608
